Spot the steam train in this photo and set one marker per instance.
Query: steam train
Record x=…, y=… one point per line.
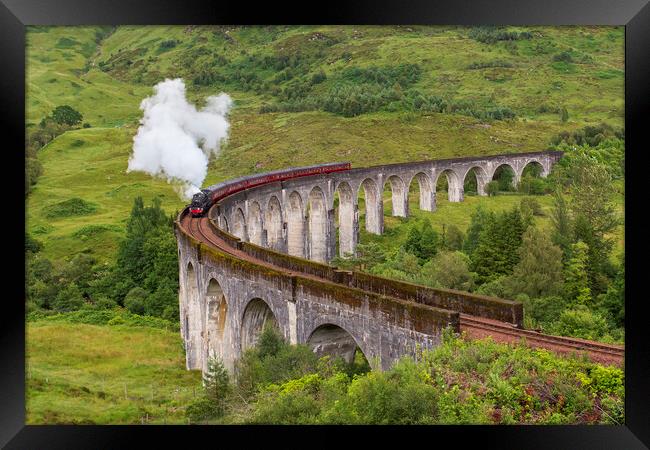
x=203, y=200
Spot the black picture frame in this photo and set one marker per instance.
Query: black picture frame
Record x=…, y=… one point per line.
x=16, y=14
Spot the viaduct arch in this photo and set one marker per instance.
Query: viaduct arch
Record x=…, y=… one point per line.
x=271, y=269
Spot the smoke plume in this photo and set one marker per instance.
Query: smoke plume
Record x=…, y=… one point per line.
x=175, y=140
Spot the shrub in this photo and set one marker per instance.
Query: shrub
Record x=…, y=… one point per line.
x=580, y=322
x=564, y=56
x=318, y=77
x=533, y=186
x=449, y=270
x=135, y=300
x=530, y=207
x=66, y=115
x=492, y=34
x=489, y=64
x=492, y=188
x=71, y=207
x=203, y=410
x=171, y=43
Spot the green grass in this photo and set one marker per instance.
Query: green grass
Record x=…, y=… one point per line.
x=96, y=174
x=107, y=78
x=79, y=373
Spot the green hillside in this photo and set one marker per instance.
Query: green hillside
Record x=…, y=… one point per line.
x=412, y=93
x=102, y=338
x=79, y=373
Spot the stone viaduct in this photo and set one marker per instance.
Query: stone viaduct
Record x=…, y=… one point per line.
x=260, y=257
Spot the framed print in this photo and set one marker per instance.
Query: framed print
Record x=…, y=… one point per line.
x=377, y=214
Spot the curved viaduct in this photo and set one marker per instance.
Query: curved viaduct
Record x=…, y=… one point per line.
x=260, y=255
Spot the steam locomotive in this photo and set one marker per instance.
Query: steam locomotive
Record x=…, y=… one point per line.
x=203, y=200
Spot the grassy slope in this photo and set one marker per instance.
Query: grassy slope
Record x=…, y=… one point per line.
x=91, y=164
x=70, y=366
x=78, y=373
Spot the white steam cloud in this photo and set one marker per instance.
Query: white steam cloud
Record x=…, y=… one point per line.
x=175, y=140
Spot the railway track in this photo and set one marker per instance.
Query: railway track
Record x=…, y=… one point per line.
x=474, y=327
x=478, y=327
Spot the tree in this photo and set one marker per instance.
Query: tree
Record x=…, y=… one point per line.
x=576, y=280
x=136, y=259
x=450, y=270
x=613, y=301
x=270, y=342
x=539, y=272
x=369, y=255
x=496, y=253
x=598, y=250
x=480, y=219
x=216, y=381
x=66, y=115
x=562, y=229
x=216, y=391
x=452, y=238
x=68, y=299
x=135, y=300
x=422, y=241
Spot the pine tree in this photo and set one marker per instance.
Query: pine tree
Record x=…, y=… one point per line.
x=562, y=232
x=539, y=272
x=216, y=382
x=429, y=242
x=576, y=280
x=479, y=221
x=595, y=215
x=613, y=301
x=496, y=253
x=413, y=238
x=452, y=238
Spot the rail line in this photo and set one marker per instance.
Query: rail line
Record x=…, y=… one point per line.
x=473, y=327
x=479, y=327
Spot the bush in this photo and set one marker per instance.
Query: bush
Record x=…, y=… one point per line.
x=492, y=34
x=68, y=299
x=530, y=207
x=135, y=300
x=318, y=77
x=582, y=323
x=564, y=56
x=492, y=188
x=32, y=245
x=171, y=43
x=449, y=270
x=274, y=362
x=66, y=115
x=71, y=207
x=203, y=410
x=533, y=186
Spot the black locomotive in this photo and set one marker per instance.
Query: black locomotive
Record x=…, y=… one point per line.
x=201, y=202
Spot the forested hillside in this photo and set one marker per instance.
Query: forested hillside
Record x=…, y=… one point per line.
x=101, y=252
x=302, y=95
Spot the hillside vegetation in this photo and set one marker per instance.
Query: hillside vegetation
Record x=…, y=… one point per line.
x=121, y=372
x=366, y=94
x=103, y=344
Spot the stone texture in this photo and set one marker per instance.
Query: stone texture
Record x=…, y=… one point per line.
x=225, y=302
